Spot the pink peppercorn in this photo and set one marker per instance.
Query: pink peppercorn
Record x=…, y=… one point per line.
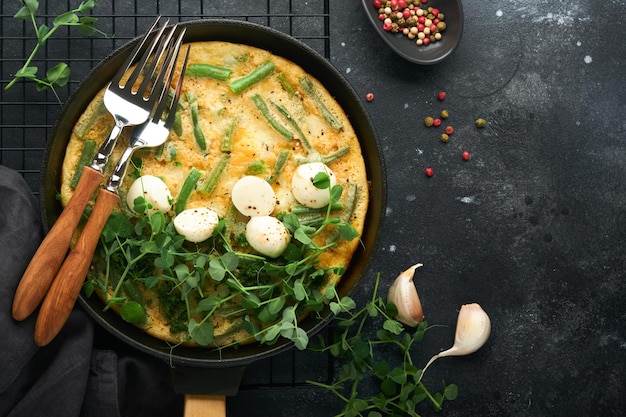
x=465, y=155
x=426, y=41
x=382, y=17
x=420, y=27
x=421, y=19
x=436, y=21
x=436, y=122
x=449, y=130
x=402, y=4
x=429, y=172
x=406, y=13
x=387, y=26
x=377, y=4
x=369, y=96
x=435, y=12
x=433, y=28
x=441, y=95
x=424, y=1
x=393, y=4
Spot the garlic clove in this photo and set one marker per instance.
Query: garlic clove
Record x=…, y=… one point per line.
x=473, y=328
x=404, y=295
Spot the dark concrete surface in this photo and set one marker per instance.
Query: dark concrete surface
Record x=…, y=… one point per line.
x=532, y=227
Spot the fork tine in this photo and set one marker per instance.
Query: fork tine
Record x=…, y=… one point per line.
x=170, y=65
x=131, y=58
x=171, y=115
x=163, y=44
x=148, y=73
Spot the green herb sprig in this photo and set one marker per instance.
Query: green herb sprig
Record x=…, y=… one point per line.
x=220, y=278
x=365, y=360
x=58, y=75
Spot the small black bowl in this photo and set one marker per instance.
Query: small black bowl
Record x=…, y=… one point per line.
x=429, y=54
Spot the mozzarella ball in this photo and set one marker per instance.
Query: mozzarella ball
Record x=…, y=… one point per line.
x=253, y=196
x=196, y=224
x=305, y=191
x=154, y=190
x=267, y=235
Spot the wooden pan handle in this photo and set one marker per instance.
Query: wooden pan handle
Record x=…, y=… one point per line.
x=47, y=260
x=205, y=406
x=62, y=295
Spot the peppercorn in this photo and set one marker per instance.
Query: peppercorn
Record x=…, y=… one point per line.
x=428, y=121
x=465, y=155
x=369, y=96
x=480, y=123
x=437, y=122
x=449, y=130
x=429, y=172
x=441, y=95
x=444, y=114
x=444, y=138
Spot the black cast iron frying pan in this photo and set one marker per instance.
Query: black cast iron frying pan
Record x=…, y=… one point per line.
x=205, y=374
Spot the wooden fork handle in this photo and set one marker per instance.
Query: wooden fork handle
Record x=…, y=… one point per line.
x=47, y=260
x=62, y=295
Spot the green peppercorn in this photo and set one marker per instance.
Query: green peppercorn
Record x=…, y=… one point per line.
x=441, y=26
x=428, y=121
x=480, y=123
x=444, y=114
x=444, y=137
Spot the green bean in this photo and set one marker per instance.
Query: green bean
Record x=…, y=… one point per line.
x=260, y=104
x=248, y=80
x=285, y=84
x=308, y=86
x=85, y=125
x=211, y=180
x=282, y=110
x=256, y=168
x=86, y=156
x=311, y=220
x=335, y=155
x=227, y=138
x=302, y=210
x=314, y=155
x=346, y=214
x=185, y=191
x=197, y=130
x=208, y=70
x=281, y=160
x=177, y=127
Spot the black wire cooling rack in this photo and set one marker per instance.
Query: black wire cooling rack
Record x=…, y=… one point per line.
x=27, y=115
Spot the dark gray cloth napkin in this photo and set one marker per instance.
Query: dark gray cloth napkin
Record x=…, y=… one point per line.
x=72, y=376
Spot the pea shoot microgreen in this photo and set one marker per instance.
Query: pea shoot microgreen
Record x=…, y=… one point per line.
x=363, y=360
x=220, y=278
x=58, y=75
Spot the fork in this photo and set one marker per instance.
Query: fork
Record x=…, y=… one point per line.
x=66, y=286
x=128, y=106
